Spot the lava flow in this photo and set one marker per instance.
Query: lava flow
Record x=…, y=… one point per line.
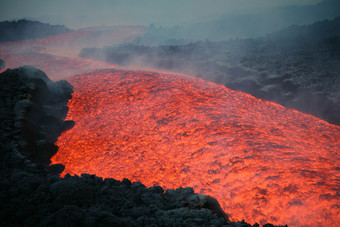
x=261, y=161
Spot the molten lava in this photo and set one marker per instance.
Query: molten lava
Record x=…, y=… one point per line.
x=261, y=161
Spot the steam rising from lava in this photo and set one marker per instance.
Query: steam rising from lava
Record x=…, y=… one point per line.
x=261, y=161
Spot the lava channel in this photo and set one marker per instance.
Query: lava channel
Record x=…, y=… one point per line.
x=261, y=161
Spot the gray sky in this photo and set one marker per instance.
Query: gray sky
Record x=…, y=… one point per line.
x=84, y=13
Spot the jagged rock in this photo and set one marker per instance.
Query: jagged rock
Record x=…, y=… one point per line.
x=39, y=110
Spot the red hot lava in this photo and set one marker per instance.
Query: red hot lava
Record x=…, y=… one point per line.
x=261, y=161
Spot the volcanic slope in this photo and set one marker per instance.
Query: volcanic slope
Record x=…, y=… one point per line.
x=261, y=161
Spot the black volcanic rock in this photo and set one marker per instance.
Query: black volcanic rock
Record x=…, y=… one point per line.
x=36, y=126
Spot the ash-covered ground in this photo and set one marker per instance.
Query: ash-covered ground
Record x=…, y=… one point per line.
x=33, y=109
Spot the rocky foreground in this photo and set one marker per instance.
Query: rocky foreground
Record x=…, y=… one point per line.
x=33, y=109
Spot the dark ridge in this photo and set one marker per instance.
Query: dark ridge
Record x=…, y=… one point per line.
x=32, y=113
x=2, y=64
x=25, y=29
x=297, y=67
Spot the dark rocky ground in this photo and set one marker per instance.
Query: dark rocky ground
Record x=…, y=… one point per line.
x=297, y=67
x=33, y=109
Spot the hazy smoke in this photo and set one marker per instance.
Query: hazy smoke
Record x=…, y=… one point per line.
x=84, y=13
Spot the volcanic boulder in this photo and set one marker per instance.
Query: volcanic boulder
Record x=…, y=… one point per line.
x=39, y=108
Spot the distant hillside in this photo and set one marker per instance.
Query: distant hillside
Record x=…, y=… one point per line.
x=297, y=67
x=26, y=29
x=244, y=24
x=265, y=21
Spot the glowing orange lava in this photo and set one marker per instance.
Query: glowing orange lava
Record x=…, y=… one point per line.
x=261, y=161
